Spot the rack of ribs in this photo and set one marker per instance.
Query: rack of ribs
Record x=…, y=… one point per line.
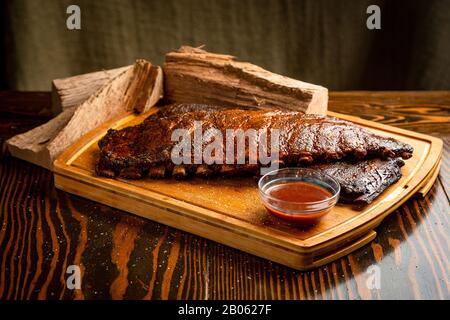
x=145, y=149
x=362, y=181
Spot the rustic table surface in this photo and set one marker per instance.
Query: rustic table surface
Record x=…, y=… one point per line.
x=44, y=230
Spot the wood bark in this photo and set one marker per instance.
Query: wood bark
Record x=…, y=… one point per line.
x=193, y=75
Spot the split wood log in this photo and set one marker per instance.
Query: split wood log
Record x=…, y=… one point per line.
x=137, y=88
x=72, y=91
x=193, y=75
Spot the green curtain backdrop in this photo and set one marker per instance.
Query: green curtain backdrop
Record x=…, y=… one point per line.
x=324, y=42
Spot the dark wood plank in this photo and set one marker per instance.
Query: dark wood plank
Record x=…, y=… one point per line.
x=426, y=112
x=26, y=103
x=43, y=230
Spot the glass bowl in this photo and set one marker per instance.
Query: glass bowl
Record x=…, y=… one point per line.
x=299, y=195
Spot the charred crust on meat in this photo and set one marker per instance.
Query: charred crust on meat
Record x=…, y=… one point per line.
x=305, y=140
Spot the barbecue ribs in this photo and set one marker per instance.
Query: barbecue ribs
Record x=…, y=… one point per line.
x=145, y=149
x=363, y=181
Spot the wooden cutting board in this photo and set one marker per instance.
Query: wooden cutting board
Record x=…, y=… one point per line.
x=228, y=210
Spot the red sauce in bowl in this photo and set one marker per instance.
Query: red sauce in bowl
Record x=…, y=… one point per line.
x=298, y=191
x=298, y=195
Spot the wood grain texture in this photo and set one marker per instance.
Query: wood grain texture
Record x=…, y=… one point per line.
x=43, y=230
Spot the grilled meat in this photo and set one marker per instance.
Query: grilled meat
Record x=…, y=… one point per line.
x=363, y=181
x=145, y=149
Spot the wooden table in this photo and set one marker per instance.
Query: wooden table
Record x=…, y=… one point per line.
x=44, y=230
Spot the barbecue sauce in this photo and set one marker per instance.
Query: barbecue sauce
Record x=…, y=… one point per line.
x=298, y=194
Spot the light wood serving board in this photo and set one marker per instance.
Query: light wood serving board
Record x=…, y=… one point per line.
x=228, y=210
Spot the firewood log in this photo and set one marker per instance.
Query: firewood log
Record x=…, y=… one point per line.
x=193, y=75
x=137, y=88
x=72, y=91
